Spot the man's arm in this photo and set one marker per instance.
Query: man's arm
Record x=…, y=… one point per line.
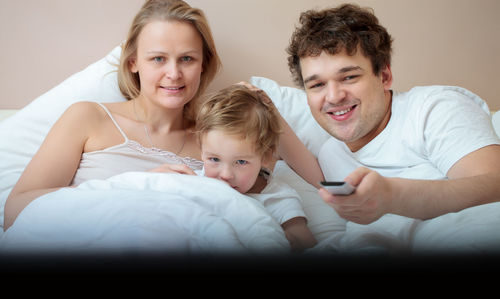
x=473, y=180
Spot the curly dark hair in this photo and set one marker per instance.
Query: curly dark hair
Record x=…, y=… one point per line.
x=335, y=29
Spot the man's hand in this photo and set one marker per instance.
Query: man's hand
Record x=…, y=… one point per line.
x=368, y=203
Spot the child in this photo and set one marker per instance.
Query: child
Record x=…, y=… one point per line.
x=239, y=131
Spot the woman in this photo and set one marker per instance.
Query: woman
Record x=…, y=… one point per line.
x=167, y=61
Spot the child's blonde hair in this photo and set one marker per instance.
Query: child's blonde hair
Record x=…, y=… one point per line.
x=240, y=111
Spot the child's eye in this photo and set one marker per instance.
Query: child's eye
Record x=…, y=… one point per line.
x=213, y=159
x=241, y=162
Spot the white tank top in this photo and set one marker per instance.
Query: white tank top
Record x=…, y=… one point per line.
x=128, y=156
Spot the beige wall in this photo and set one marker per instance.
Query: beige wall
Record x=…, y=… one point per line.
x=453, y=42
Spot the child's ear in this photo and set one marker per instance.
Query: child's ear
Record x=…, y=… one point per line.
x=268, y=160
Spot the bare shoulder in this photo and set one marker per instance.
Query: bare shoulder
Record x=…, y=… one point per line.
x=84, y=110
x=86, y=114
x=81, y=119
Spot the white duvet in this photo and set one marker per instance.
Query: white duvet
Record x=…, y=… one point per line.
x=474, y=231
x=145, y=212
x=171, y=213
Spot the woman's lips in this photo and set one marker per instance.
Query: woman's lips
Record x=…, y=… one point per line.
x=173, y=89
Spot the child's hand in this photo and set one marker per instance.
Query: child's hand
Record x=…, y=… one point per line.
x=298, y=234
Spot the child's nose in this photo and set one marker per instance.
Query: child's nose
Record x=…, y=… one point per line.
x=226, y=174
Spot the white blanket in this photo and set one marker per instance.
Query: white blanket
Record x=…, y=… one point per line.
x=171, y=213
x=474, y=230
x=145, y=212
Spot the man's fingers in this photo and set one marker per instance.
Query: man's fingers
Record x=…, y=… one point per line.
x=355, y=177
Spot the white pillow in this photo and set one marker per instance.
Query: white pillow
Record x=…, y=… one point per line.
x=22, y=134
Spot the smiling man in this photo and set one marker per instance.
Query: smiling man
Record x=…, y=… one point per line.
x=422, y=153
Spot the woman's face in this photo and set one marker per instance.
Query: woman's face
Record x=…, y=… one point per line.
x=169, y=62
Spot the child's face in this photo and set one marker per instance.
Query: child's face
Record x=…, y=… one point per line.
x=231, y=159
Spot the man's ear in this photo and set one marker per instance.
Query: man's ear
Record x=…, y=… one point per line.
x=386, y=75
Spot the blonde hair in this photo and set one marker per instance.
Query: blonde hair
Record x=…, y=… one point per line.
x=240, y=111
x=168, y=10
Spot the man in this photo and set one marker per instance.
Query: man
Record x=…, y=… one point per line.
x=419, y=154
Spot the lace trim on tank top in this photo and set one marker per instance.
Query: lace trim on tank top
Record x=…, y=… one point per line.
x=191, y=162
x=134, y=145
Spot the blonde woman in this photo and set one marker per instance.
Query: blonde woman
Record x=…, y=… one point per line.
x=167, y=62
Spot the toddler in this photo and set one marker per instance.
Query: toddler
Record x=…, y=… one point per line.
x=239, y=130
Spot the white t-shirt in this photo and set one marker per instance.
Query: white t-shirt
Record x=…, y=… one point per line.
x=280, y=200
x=430, y=129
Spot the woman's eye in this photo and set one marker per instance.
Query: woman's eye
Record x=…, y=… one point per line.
x=158, y=59
x=186, y=59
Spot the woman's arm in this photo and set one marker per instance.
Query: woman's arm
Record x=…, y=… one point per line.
x=296, y=154
x=56, y=161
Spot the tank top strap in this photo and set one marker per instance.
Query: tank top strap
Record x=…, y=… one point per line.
x=113, y=120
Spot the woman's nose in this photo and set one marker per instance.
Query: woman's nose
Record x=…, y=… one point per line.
x=173, y=71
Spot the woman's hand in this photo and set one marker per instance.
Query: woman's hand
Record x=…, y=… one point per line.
x=174, y=168
x=262, y=94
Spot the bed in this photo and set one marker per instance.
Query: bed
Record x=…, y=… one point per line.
x=148, y=213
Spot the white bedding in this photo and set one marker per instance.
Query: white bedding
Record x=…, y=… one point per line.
x=142, y=212
x=471, y=231
x=139, y=212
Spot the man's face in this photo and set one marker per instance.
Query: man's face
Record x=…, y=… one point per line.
x=346, y=98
